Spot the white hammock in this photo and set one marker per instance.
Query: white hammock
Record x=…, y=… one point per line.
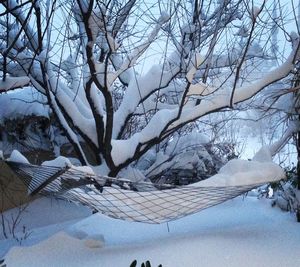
x=118, y=198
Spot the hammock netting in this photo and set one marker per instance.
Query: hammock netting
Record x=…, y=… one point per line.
x=119, y=198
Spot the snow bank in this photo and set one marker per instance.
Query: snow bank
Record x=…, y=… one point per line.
x=237, y=233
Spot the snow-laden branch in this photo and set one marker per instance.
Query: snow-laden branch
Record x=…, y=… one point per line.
x=75, y=110
x=80, y=116
x=140, y=49
x=151, y=131
x=11, y=83
x=71, y=134
x=122, y=15
x=267, y=152
x=219, y=100
x=201, y=89
x=19, y=14
x=21, y=64
x=140, y=88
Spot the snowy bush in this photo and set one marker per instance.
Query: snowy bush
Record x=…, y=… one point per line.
x=286, y=193
x=184, y=160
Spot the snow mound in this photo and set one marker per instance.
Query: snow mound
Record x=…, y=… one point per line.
x=239, y=172
x=58, y=162
x=90, y=240
x=58, y=243
x=16, y=156
x=96, y=241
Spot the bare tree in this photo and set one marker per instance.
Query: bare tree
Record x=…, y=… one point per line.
x=87, y=58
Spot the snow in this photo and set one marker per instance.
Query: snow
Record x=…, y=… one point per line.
x=13, y=82
x=139, y=88
x=124, y=149
x=121, y=150
x=60, y=161
x=133, y=175
x=190, y=75
x=66, y=126
x=256, y=10
x=86, y=169
x=264, y=154
x=16, y=156
x=97, y=21
x=244, y=172
x=200, y=89
x=194, y=64
x=76, y=113
x=186, y=142
x=164, y=17
x=158, y=206
x=43, y=56
x=241, y=232
x=221, y=99
x=21, y=103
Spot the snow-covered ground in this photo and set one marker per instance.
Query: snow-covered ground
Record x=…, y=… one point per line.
x=240, y=232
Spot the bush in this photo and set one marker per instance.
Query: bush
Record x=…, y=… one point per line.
x=286, y=193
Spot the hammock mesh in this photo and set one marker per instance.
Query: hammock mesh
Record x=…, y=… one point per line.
x=118, y=198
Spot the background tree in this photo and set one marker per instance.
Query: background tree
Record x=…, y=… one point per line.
x=117, y=107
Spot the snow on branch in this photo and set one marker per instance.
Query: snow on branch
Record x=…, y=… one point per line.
x=21, y=16
x=79, y=115
x=267, y=152
x=221, y=99
x=140, y=49
x=122, y=16
x=11, y=83
x=89, y=71
x=140, y=88
x=71, y=134
x=156, y=128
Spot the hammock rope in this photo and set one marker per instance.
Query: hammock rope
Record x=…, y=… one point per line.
x=121, y=199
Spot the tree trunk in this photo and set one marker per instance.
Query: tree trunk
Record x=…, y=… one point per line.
x=297, y=109
x=298, y=170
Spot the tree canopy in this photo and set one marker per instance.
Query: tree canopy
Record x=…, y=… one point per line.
x=126, y=79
